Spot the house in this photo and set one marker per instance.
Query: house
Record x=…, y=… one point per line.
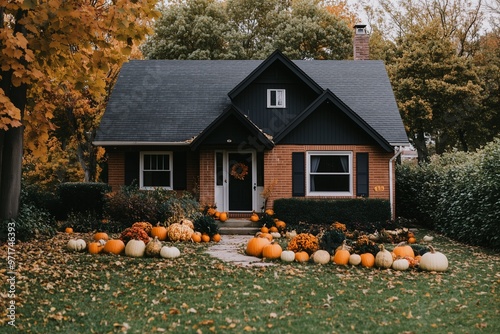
x=233, y=129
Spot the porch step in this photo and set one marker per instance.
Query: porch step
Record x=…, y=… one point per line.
x=241, y=226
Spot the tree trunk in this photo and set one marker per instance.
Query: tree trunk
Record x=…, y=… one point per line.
x=420, y=145
x=11, y=153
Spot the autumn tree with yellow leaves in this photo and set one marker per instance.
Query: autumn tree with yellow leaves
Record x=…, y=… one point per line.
x=58, y=57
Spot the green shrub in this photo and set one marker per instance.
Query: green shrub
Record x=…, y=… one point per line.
x=326, y=211
x=457, y=193
x=32, y=222
x=81, y=197
x=89, y=222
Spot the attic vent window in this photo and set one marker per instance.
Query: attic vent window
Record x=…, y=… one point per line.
x=276, y=98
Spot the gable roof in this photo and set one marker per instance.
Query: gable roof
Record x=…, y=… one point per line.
x=171, y=102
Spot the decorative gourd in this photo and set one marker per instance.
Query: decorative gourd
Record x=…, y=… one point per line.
x=145, y=226
x=160, y=232
x=135, y=248
x=254, y=217
x=114, y=246
x=179, y=232
x=403, y=250
x=321, y=257
x=68, y=230
x=223, y=216
x=196, y=237
x=367, y=260
x=287, y=256
x=216, y=237
x=96, y=246
x=383, y=259
x=256, y=245
x=400, y=264
x=187, y=222
x=205, y=237
x=272, y=251
x=433, y=261
x=101, y=236
x=153, y=248
x=301, y=256
x=354, y=259
x=76, y=245
x=341, y=256
x=281, y=225
x=167, y=252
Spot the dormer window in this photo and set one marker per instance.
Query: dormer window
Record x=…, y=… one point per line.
x=276, y=98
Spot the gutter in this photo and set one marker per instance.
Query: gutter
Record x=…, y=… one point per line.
x=397, y=152
x=138, y=143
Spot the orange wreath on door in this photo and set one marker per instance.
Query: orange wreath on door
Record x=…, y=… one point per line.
x=239, y=171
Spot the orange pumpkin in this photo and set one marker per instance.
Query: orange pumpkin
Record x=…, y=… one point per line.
x=264, y=229
x=412, y=240
x=216, y=237
x=341, y=256
x=367, y=260
x=269, y=212
x=403, y=250
x=205, y=237
x=196, y=237
x=268, y=236
x=211, y=211
x=95, y=247
x=223, y=216
x=160, y=232
x=255, y=246
x=280, y=224
x=272, y=251
x=114, y=246
x=101, y=236
x=254, y=217
x=273, y=229
x=302, y=256
x=68, y=230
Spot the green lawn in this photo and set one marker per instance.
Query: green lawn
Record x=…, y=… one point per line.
x=64, y=292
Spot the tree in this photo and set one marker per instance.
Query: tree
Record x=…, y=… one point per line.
x=48, y=48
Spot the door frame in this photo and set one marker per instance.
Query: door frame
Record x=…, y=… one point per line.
x=221, y=192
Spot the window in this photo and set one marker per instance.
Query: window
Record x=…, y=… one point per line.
x=156, y=170
x=276, y=98
x=329, y=173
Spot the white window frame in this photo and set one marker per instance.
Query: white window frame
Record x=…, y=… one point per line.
x=142, y=170
x=310, y=154
x=277, y=105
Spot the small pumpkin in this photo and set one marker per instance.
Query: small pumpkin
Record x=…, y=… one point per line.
x=403, y=250
x=264, y=229
x=269, y=212
x=76, y=245
x=272, y=251
x=101, y=236
x=400, y=264
x=95, y=247
x=68, y=230
x=254, y=217
x=135, y=248
x=167, y=252
x=383, y=259
x=281, y=225
x=114, y=246
x=287, y=256
x=275, y=235
x=367, y=260
x=302, y=256
x=321, y=257
x=216, y=237
x=205, y=237
x=273, y=229
x=412, y=240
x=153, y=248
x=160, y=232
x=342, y=255
x=196, y=237
x=223, y=216
x=256, y=245
x=433, y=261
x=354, y=259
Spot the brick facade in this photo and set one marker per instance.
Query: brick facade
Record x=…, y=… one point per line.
x=116, y=169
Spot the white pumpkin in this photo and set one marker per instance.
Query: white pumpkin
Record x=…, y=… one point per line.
x=275, y=235
x=354, y=259
x=400, y=264
x=76, y=245
x=287, y=256
x=135, y=248
x=433, y=261
x=321, y=256
x=169, y=252
x=383, y=259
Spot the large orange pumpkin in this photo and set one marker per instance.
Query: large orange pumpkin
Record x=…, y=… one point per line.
x=101, y=236
x=302, y=256
x=160, y=232
x=272, y=251
x=367, y=260
x=341, y=256
x=403, y=250
x=114, y=246
x=256, y=245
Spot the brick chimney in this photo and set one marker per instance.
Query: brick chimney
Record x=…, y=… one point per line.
x=361, y=43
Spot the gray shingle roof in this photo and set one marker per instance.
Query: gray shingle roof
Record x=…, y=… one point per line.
x=172, y=101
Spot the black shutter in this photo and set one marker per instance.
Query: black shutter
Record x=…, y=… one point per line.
x=298, y=174
x=132, y=168
x=362, y=184
x=180, y=171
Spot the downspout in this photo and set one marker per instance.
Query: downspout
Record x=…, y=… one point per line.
x=397, y=152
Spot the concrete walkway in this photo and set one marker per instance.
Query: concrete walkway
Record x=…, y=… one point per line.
x=228, y=250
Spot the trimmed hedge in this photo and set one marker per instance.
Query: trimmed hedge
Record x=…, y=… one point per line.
x=327, y=211
x=458, y=194
x=83, y=197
